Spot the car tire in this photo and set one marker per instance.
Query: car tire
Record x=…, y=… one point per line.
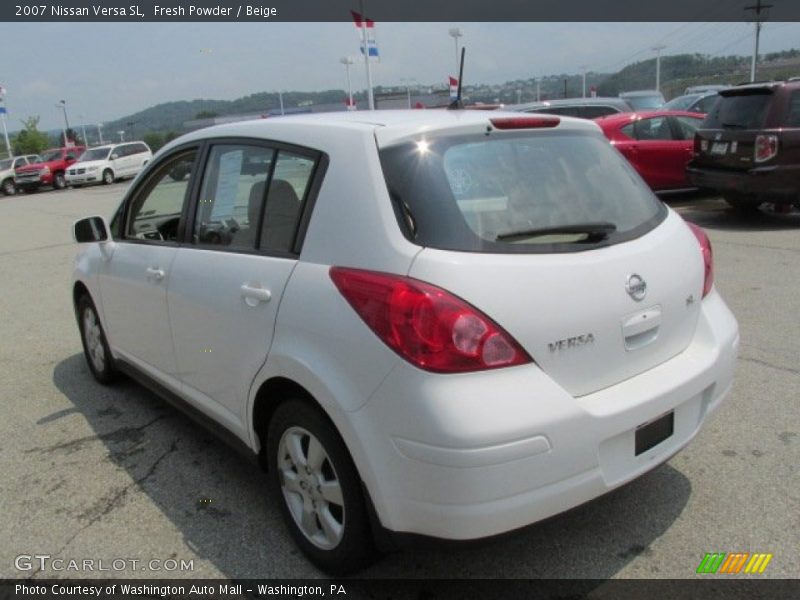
x=108, y=177
x=59, y=182
x=95, y=345
x=745, y=203
x=9, y=189
x=321, y=500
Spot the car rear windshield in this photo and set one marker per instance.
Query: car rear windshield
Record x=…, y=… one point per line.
x=645, y=102
x=517, y=192
x=740, y=111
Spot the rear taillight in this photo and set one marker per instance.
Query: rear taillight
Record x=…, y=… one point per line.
x=427, y=326
x=766, y=147
x=524, y=122
x=708, y=256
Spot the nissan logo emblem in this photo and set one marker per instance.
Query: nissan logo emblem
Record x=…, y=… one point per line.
x=636, y=287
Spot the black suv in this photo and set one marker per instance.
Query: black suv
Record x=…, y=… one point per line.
x=748, y=147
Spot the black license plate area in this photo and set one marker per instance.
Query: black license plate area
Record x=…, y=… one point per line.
x=653, y=433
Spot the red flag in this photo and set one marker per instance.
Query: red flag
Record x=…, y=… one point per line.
x=359, y=20
x=453, y=82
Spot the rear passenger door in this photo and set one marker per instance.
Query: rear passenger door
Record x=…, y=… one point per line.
x=229, y=275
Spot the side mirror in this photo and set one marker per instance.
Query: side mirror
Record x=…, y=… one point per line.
x=90, y=229
x=114, y=156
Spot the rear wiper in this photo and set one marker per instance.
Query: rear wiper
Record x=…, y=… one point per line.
x=595, y=232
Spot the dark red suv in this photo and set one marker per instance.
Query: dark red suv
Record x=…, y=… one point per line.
x=748, y=147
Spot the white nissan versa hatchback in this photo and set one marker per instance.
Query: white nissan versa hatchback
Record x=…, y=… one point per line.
x=448, y=323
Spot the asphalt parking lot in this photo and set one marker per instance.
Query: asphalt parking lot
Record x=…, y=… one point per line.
x=114, y=473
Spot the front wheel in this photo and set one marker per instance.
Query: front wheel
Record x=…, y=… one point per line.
x=95, y=345
x=108, y=177
x=9, y=189
x=321, y=497
x=59, y=182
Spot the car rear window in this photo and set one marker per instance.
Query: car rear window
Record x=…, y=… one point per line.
x=739, y=111
x=468, y=193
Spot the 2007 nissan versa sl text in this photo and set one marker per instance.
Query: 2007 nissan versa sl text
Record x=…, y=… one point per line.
x=443, y=323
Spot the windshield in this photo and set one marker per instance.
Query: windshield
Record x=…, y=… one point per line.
x=95, y=154
x=682, y=102
x=51, y=155
x=482, y=194
x=5, y=164
x=739, y=111
x=645, y=102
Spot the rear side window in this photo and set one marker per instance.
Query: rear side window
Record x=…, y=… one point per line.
x=232, y=196
x=793, y=116
x=287, y=191
x=471, y=193
x=739, y=111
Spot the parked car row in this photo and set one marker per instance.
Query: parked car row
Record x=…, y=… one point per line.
x=742, y=141
x=73, y=165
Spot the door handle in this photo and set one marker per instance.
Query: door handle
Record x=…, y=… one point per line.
x=155, y=273
x=253, y=295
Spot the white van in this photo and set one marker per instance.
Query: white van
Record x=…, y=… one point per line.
x=106, y=164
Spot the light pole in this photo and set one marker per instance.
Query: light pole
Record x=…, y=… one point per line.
x=408, y=82
x=62, y=104
x=519, y=96
x=657, y=50
x=121, y=133
x=583, y=70
x=100, y=133
x=347, y=61
x=455, y=33
x=83, y=129
x=280, y=99
x=538, y=89
x=3, y=116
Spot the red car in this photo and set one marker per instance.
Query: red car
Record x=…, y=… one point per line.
x=657, y=143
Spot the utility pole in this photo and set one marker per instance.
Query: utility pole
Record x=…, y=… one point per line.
x=657, y=50
x=760, y=14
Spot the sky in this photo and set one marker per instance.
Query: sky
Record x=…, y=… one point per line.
x=106, y=71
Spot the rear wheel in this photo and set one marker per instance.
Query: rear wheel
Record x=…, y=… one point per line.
x=95, y=345
x=321, y=497
x=742, y=202
x=108, y=177
x=59, y=182
x=9, y=189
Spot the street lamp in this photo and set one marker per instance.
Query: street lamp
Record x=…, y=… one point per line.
x=100, y=133
x=347, y=61
x=280, y=100
x=62, y=104
x=455, y=33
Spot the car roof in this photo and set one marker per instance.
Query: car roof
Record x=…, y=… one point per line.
x=637, y=93
x=559, y=102
x=387, y=126
x=611, y=120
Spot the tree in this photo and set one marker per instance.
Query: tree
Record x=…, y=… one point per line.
x=206, y=114
x=30, y=140
x=154, y=140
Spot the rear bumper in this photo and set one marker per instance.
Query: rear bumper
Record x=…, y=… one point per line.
x=465, y=457
x=782, y=180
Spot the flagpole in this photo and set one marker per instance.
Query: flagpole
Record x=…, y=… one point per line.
x=370, y=96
